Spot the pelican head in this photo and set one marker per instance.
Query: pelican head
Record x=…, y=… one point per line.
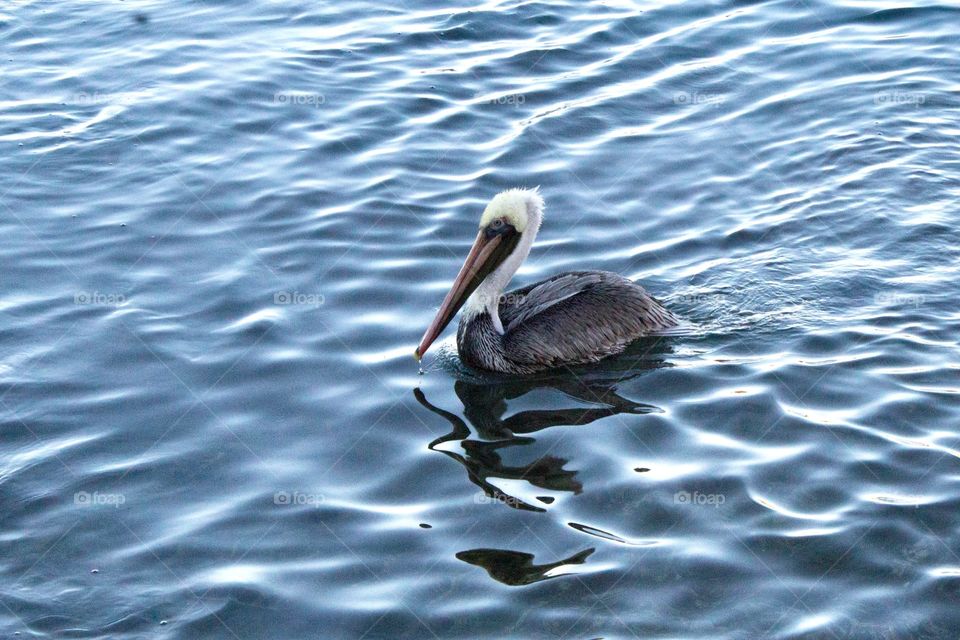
x=508, y=227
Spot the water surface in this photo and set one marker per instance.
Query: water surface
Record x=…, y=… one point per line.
x=225, y=225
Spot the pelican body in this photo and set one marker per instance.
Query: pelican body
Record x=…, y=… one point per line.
x=572, y=318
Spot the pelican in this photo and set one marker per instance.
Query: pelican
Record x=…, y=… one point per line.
x=572, y=318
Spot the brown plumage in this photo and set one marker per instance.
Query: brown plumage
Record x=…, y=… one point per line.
x=569, y=319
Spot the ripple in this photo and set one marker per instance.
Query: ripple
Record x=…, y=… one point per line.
x=784, y=511
x=606, y=535
x=784, y=177
x=899, y=500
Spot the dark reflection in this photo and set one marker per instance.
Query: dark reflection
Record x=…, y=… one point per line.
x=517, y=569
x=485, y=403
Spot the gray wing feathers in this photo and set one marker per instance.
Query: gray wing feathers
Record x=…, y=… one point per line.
x=578, y=317
x=549, y=293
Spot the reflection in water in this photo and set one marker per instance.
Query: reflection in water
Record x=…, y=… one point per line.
x=485, y=405
x=517, y=569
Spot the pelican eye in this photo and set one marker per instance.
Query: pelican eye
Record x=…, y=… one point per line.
x=497, y=226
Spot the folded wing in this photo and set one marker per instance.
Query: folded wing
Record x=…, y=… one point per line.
x=578, y=317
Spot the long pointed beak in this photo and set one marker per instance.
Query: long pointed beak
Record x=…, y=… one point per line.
x=486, y=255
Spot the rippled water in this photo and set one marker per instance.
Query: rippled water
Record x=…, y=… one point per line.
x=225, y=225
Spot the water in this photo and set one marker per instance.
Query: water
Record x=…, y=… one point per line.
x=225, y=226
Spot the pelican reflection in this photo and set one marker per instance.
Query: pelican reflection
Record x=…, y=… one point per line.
x=485, y=430
x=516, y=569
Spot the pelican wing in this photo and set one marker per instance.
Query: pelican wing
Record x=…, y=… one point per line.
x=578, y=317
x=523, y=304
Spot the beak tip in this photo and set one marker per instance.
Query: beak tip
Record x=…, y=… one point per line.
x=417, y=354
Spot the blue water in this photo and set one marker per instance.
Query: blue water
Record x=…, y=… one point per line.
x=224, y=227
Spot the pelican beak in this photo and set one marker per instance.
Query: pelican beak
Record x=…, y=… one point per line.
x=488, y=252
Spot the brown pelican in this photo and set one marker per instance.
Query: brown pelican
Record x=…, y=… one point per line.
x=570, y=318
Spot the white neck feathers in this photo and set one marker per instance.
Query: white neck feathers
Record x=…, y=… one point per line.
x=486, y=298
